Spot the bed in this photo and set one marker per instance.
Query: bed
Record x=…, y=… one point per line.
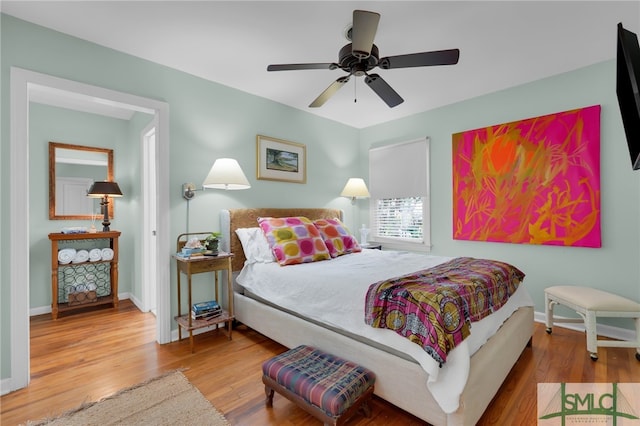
x=473, y=372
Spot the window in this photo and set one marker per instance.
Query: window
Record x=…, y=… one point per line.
x=399, y=217
x=399, y=203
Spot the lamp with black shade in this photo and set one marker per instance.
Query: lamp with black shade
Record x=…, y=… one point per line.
x=104, y=190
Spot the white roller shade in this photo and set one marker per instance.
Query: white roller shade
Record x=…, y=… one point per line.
x=399, y=170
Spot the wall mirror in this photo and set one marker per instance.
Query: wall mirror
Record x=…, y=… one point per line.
x=72, y=170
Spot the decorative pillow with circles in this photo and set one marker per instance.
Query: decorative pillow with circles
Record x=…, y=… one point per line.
x=294, y=240
x=337, y=237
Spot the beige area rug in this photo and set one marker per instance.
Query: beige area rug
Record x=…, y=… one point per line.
x=166, y=400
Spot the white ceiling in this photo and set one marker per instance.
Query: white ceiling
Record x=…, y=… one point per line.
x=502, y=44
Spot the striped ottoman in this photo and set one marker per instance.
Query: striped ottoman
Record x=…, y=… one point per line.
x=331, y=389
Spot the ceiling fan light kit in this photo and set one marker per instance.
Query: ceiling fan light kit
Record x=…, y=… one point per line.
x=361, y=56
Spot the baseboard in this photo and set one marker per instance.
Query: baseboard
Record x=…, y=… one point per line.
x=135, y=301
x=5, y=386
x=609, y=331
x=41, y=310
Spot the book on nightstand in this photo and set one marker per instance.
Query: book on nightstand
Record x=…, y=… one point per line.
x=205, y=310
x=206, y=315
x=205, y=306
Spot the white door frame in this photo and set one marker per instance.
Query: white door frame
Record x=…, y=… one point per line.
x=21, y=82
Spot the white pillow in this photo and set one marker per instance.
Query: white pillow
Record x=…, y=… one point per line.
x=255, y=245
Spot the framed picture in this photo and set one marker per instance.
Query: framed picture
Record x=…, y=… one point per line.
x=531, y=181
x=281, y=160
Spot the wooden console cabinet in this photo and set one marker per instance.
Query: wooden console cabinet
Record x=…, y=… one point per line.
x=103, y=274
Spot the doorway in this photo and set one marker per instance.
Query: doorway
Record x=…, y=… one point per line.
x=22, y=83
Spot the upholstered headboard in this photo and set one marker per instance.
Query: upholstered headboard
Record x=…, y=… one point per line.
x=248, y=218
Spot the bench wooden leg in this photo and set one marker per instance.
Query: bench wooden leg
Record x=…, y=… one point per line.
x=269, y=392
x=366, y=410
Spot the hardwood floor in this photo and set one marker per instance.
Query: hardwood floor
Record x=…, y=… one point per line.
x=87, y=356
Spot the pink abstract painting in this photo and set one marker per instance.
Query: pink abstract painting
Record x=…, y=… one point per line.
x=534, y=181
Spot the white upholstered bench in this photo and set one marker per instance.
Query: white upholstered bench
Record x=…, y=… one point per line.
x=591, y=303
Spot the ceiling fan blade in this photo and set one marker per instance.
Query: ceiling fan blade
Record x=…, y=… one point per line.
x=423, y=59
x=383, y=90
x=365, y=25
x=329, y=91
x=292, y=67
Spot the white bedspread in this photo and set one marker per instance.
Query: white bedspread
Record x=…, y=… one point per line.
x=333, y=292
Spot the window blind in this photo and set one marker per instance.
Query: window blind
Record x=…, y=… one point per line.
x=399, y=186
x=399, y=218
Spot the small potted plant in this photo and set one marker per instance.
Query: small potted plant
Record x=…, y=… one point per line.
x=212, y=242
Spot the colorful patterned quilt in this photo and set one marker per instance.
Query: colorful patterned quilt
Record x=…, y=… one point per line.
x=435, y=307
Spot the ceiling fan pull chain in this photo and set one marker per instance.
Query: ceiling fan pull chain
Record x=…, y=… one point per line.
x=355, y=92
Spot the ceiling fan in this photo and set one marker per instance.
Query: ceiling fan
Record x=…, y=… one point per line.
x=361, y=56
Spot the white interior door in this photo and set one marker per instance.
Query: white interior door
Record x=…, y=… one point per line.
x=149, y=273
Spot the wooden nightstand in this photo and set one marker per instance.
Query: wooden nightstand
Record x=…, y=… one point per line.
x=197, y=265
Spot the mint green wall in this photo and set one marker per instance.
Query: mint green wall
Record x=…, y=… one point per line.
x=615, y=266
x=207, y=121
